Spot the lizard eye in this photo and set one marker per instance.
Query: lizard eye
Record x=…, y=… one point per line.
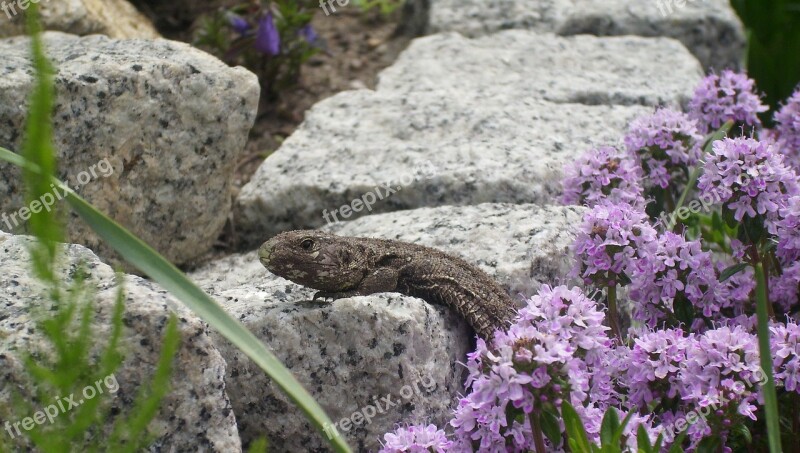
x=307, y=244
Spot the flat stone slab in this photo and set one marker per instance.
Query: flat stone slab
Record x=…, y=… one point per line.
x=147, y=131
x=404, y=151
x=353, y=351
x=709, y=28
x=583, y=69
x=194, y=415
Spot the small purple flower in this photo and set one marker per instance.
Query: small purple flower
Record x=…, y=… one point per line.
x=268, y=40
x=307, y=32
x=789, y=231
x=787, y=130
x=749, y=179
x=416, y=439
x=785, y=347
x=665, y=144
x=238, y=23
x=785, y=289
x=723, y=97
x=602, y=173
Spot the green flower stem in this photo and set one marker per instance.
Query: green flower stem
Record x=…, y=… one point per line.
x=613, y=318
x=770, y=397
x=536, y=428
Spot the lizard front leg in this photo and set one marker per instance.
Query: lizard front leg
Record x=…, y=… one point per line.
x=382, y=280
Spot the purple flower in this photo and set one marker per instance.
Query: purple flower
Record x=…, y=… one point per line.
x=238, y=23
x=787, y=130
x=728, y=96
x=789, y=231
x=749, y=178
x=268, y=40
x=416, y=439
x=785, y=347
x=307, y=32
x=611, y=238
x=602, y=173
x=785, y=289
x=654, y=366
x=665, y=144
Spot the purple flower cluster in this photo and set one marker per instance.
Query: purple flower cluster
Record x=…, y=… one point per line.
x=785, y=289
x=416, y=439
x=713, y=375
x=723, y=97
x=602, y=173
x=785, y=349
x=611, y=236
x=553, y=349
x=749, y=178
x=665, y=144
x=787, y=130
x=681, y=271
x=789, y=231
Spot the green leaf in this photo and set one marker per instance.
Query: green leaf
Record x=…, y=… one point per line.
x=576, y=433
x=608, y=427
x=550, y=426
x=139, y=254
x=709, y=445
x=730, y=271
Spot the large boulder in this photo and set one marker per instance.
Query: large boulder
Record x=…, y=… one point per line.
x=353, y=353
x=709, y=28
x=113, y=18
x=147, y=131
x=195, y=415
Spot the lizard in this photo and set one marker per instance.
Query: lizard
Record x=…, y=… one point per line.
x=339, y=267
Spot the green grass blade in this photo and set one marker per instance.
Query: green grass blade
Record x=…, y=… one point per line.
x=37, y=147
x=139, y=254
x=770, y=397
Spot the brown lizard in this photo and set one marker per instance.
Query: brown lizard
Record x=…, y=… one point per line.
x=339, y=267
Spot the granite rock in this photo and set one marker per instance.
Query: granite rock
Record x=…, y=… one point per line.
x=114, y=18
x=583, y=69
x=153, y=128
x=431, y=149
x=710, y=29
x=195, y=415
x=353, y=351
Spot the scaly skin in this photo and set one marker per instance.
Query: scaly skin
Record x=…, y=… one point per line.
x=339, y=267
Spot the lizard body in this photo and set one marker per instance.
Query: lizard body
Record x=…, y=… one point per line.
x=339, y=267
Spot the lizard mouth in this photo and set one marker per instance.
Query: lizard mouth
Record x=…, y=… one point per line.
x=265, y=253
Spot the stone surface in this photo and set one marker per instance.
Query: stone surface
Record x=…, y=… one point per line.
x=709, y=28
x=350, y=352
x=195, y=415
x=113, y=18
x=520, y=64
x=440, y=148
x=169, y=120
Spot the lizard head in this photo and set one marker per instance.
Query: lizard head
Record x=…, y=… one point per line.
x=311, y=258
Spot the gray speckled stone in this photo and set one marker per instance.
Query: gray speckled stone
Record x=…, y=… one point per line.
x=709, y=28
x=352, y=350
x=511, y=64
x=196, y=415
x=441, y=148
x=170, y=119
x=114, y=18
